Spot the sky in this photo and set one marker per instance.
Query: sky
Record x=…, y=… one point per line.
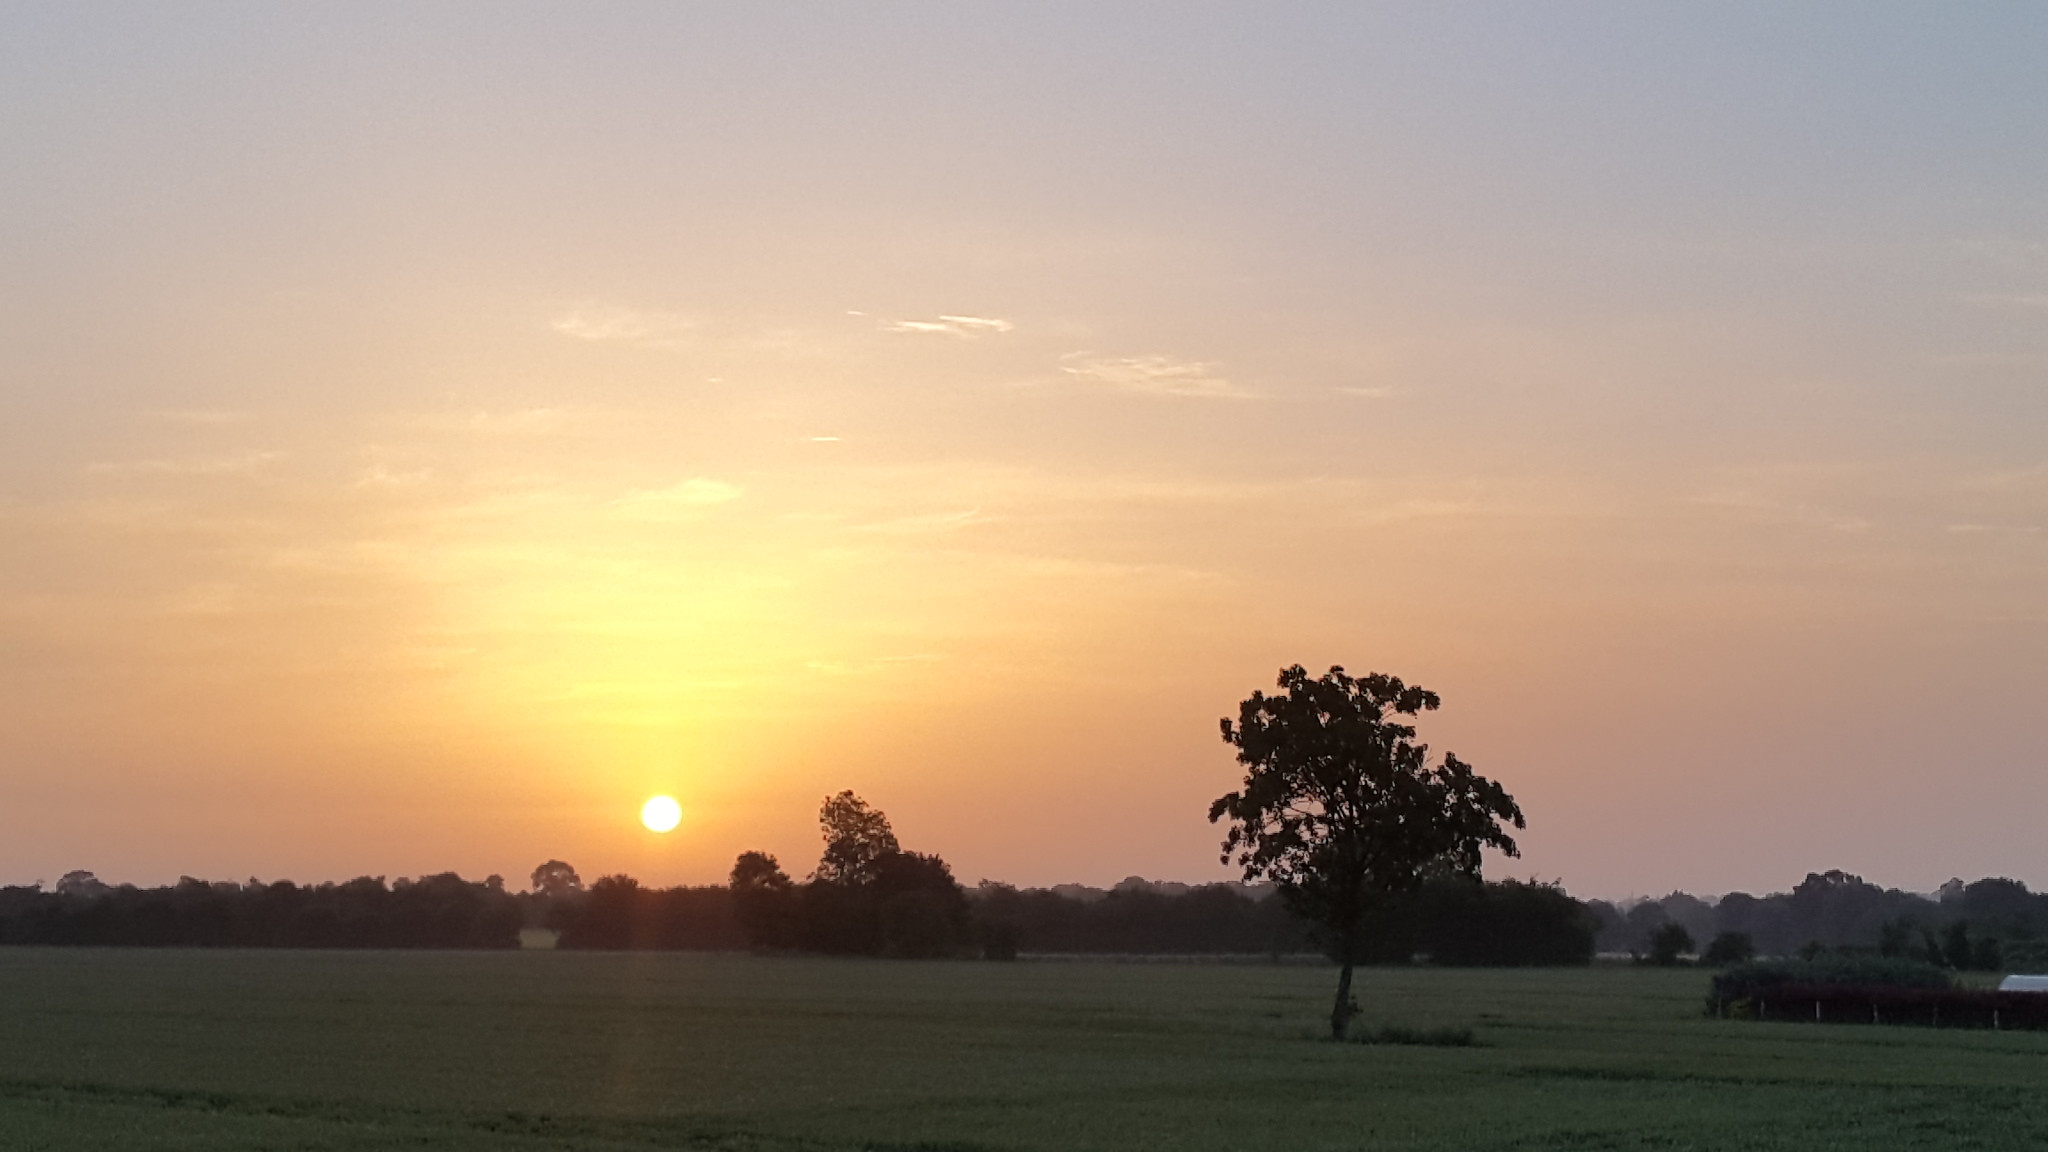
x=430, y=431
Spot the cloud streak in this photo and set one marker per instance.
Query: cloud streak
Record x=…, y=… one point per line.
x=1160, y=376
x=684, y=500
x=963, y=327
x=610, y=324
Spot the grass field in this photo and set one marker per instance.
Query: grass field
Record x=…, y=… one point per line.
x=541, y=1050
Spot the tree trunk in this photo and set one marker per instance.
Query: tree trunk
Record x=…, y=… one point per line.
x=1340, y=1016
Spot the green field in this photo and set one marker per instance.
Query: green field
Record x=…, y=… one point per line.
x=247, y=1050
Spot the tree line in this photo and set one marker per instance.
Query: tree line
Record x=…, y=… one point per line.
x=1353, y=840
x=1983, y=925
x=867, y=896
x=443, y=911
x=1446, y=921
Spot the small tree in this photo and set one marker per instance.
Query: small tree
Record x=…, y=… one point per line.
x=1668, y=943
x=1341, y=808
x=1729, y=948
x=764, y=900
x=856, y=837
x=868, y=896
x=555, y=880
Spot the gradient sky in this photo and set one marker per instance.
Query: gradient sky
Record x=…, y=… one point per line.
x=428, y=431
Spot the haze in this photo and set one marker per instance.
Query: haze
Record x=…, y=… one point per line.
x=432, y=431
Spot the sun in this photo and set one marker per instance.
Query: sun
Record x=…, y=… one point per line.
x=661, y=814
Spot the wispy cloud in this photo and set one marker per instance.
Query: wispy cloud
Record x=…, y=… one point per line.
x=379, y=476
x=650, y=329
x=1159, y=376
x=966, y=327
x=677, y=501
x=1994, y=529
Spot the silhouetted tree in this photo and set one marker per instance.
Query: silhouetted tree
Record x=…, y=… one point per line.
x=868, y=896
x=1668, y=943
x=556, y=880
x=443, y=911
x=764, y=900
x=856, y=836
x=619, y=913
x=1642, y=923
x=1460, y=921
x=1728, y=948
x=1341, y=807
x=80, y=883
x=920, y=909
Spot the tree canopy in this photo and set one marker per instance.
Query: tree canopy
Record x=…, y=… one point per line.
x=1342, y=807
x=857, y=837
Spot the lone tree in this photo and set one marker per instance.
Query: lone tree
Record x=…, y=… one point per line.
x=1341, y=808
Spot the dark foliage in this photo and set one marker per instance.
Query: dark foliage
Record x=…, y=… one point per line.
x=443, y=911
x=1669, y=943
x=1834, y=970
x=908, y=912
x=1342, y=809
x=763, y=902
x=617, y=913
x=857, y=838
x=1843, y=988
x=1464, y=923
x=1982, y=925
x=908, y=906
x=1135, y=919
x=868, y=897
x=1728, y=948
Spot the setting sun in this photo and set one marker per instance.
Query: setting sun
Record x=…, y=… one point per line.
x=661, y=814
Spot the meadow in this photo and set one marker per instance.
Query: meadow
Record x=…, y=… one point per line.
x=220, y=1050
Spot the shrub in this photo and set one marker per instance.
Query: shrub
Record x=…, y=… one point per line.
x=1729, y=948
x=1668, y=943
x=1828, y=970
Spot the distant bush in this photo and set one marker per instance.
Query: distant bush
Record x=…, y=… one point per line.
x=1727, y=949
x=1865, y=988
x=1668, y=944
x=1827, y=970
